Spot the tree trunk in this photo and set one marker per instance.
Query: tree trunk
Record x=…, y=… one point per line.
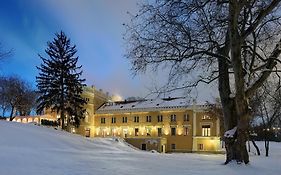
x=62, y=116
x=266, y=143
x=12, y=113
x=256, y=146
x=241, y=104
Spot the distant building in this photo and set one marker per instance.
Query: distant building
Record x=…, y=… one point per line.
x=164, y=125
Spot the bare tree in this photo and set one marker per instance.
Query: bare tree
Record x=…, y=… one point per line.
x=3, y=53
x=266, y=105
x=233, y=42
x=16, y=96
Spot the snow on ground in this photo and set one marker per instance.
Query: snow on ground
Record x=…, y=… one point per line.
x=26, y=149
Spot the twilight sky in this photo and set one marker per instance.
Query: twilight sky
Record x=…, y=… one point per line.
x=95, y=26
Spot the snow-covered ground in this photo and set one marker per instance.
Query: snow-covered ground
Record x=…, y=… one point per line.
x=26, y=149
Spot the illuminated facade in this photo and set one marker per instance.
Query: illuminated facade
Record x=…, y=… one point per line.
x=164, y=125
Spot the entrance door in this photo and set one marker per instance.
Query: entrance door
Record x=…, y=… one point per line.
x=143, y=146
x=163, y=149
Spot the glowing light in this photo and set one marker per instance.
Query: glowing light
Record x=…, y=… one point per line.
x=116, y=97
x=212, y=141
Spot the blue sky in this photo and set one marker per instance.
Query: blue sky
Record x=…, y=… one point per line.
x=95, y=26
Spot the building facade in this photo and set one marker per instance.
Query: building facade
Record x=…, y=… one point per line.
x=164, y=125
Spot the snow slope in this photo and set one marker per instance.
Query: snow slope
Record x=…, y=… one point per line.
x=27, y=149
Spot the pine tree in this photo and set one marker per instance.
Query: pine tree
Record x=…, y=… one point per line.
x=59, y=82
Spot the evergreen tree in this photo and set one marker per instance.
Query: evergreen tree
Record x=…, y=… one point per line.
x=59, y=82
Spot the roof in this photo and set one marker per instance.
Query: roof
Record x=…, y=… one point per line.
x=146, y=105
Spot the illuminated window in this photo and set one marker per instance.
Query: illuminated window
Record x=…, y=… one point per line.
x=136, y=119
x=206, y=117
x=102, y=120
x=186, y=117
x=148, y=118
x=173, y=118
x=72, y=130
x=160, y=118
x=86, y=119
x=125, y=120
x=148, y=131
x=159, y=131
x=87, y=132
x=173, y=131
x=136, y=131
x=113, y=120
x=206, y=130
x=185, y=131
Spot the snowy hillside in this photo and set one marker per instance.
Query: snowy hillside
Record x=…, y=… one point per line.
x=27, y=149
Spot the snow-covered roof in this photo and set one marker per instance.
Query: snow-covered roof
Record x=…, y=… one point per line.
x=146, y=105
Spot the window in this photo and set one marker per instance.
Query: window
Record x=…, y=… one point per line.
x=206, y=130
x=201, y=146
x=186, y=117
x=159, y=131
x=160, y=118
x=173, y=131
x=113, y=120
x=173, y=146
x=102, y=120
x=136, y=119
x=136, y=131
x=125, y=119
x=206, y=117
x=87, y=99
x=148, y=131
x=185, y=131
x=87, y=132
x=86, y=119
x=148, y=118
x=173, y=118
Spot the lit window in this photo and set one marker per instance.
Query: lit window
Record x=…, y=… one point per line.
x=136, y=131
x=186, y=117
x=173, y=118
x=186, y=131
x=148, y=131
x=206, y=117
x=86, y=119
x=206, y=130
